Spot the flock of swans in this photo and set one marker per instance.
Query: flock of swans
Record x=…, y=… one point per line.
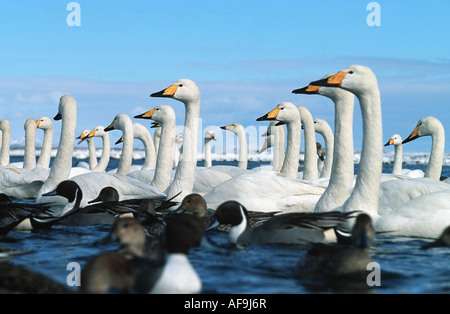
x=401, y=203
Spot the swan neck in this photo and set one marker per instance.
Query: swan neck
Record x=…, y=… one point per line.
x=29, y=159
x=164, y=161
x=279, y=149
x=106, y=151
x=150, y=153
x=208, y=159
x=398, y=160
x=310, y=162
x=365, y=194
x=46, y=149
x=434, y=167
x=290, y=164
x=92, y=154
x=329, y=149
x=185, y=174
x=243, y=149
x=342, y=169
x=4, y=156
x=127, y=150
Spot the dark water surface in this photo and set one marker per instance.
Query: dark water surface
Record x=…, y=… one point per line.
x=255, y=269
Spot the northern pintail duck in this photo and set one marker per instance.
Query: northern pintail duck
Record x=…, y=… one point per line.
x=329, y=260
x=113, y=272
x=196, y=204
x=290, y=228
x=135, y=243
x=443, y=240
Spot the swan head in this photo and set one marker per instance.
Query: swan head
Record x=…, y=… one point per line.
x=235, y=128
x=356, y=79
x=97, y=132
x=44, y=123
x=5, y=125
x=395, y=139
x=425, y=127
x=66, y=103
x=184, y=90
x=83, y=136
x=30, y=124
x=209, y=135
x=120, y=122
x=284, y=112
x=162, y=114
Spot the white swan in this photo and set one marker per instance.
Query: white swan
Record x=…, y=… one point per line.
x=239, y=130
x=208, y=136
x=91, y=150
x=16, y=181
x=397, y=168
x=323, y=128
x=268, y=190
x=188, y=93
x=342, y=170
x=93, y=182
x=407, y=219
x=106, y=148
x=430, y=126
x=46, y=124
x=161, y=176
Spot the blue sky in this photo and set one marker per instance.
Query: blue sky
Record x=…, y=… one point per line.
x=246, y=57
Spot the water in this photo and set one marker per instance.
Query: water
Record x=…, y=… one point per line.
x=255, y=269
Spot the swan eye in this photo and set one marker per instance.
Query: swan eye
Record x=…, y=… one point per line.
x=181, y=85
x=351, y=72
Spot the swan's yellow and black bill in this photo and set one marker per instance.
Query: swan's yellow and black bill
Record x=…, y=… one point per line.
x=272, y=115
x=390, y=142
x=146, y=115
x=38, y=123
x=412, y=136
x=309, y=90
x=110, y=127
x=57, y=117
x=168, y=92
x=332, y=81
x=120, y=140
x=226, y=127
x=91, y=134
x=81, y=138
x=155, y=125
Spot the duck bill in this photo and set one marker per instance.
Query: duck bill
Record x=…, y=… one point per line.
x=414, y=135
x=146, y=115
x=168, y=92
x=332, y=81
x=390, y=142
x=57, y=117
x=272, y=115
x=213, y=225
x=51, y=193
x=308, y=90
